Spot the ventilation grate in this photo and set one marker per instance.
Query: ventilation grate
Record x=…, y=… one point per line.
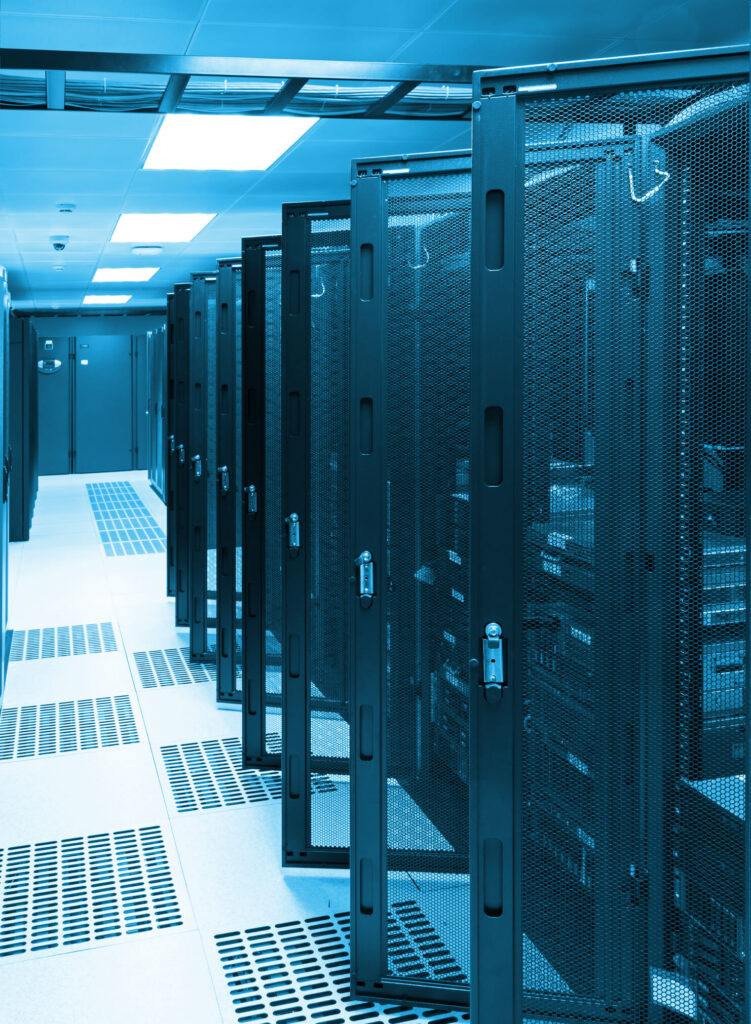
x=67, y=892
x=126, y=527
x=36, y=730
x=172, y=667
x=209, y=774
x=300, y=971
x=274, y=743
x=62, y=641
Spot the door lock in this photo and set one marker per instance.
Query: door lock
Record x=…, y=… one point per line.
x=171, y=440
x=197, y=467
x=293, y=531
x=222, y=474
x=493, y=671
x=181, y=453
x=251, y=500
x=366, y=581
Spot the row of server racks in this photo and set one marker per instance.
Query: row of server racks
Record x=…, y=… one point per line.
x=458, y=503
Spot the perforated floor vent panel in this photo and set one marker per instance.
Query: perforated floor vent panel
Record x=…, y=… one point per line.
x=126, y=527
x=36, y=730
x=209, y=774
x=172, y=667
x=62, y=641
x=299, y=971
x=88, y=888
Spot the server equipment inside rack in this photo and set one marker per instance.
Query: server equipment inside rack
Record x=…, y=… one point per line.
x=411, y=406
x=628, y=646
x=261, y=532
x=202, y=466
x=156, y=357
x=316, y=603
x=180, y=462
x=23, y=441
x=5, y=451
x=170, y=448
x=229, y=480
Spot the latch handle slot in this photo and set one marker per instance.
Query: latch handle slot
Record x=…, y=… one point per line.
x=222, y=473
x=365, y=578
x=197, y=467
x=181, y=453
x=251, y=500
x=493, y=667
x=293, y=531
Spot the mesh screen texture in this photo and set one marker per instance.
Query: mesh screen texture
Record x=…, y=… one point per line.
x=210, y=340
x=634, y=588
x=427, y=514
x=237, y=471
x=273, y=496
x=328, y=537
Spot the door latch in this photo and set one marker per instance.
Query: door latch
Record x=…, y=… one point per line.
x=493, y=678
x=222, y=473
x=293, y=531
x=251, y=500
x=171, y=440
x=181, y=453
x=197, y=467
x=365, y=584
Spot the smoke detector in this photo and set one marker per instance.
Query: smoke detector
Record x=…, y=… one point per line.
x=146, y=250
x=66, y=207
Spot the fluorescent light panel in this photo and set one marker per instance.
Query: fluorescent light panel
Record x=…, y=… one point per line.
x=124, y=274
x=160, y=227
x=223, y=142
x=106, y=300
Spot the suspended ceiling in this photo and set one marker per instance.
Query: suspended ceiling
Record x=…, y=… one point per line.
x=94, y=159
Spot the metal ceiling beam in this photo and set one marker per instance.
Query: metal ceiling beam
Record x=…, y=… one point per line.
x=231, y=67
x=55, y=82
x=392, y=96
x=286, y=94
x=172, y=94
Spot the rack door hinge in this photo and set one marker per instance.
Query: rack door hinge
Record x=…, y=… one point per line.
x=222, y=475
x=181, y=453
x=171, y=440
x=197, y=467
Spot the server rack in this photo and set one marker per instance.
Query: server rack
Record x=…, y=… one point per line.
x=156, y=407
x=201, y=497
x=228, y=480
x=315, y=506
x=610, y=497
x=261, y=500
x=410, y=553
x=170, y=463
x=180, y=465
x=24, y=441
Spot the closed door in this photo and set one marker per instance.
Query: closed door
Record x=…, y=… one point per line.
x=103, y=422
x=53, y=368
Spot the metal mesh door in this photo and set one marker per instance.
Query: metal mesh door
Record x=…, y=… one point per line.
x=182, y=453
x=202, y=467
x=328, y=538
x=273, y=503
x=426, y=599
x=631, y=506
x=210, y=341
x=237, y=473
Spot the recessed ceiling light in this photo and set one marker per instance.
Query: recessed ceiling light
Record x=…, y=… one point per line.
x=105, y=300
x=160, y=227
x=124, y=274
x=223, y=142
x=58, y=267
x=146, y=250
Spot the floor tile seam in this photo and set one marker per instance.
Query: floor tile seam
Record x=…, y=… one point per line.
x=165, y=797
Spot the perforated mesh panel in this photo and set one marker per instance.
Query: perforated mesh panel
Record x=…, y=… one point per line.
x=329, y=518
x=210, y=340
x=427, y=515
x=273, y=495
x=634, y=586
x=238, y=470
